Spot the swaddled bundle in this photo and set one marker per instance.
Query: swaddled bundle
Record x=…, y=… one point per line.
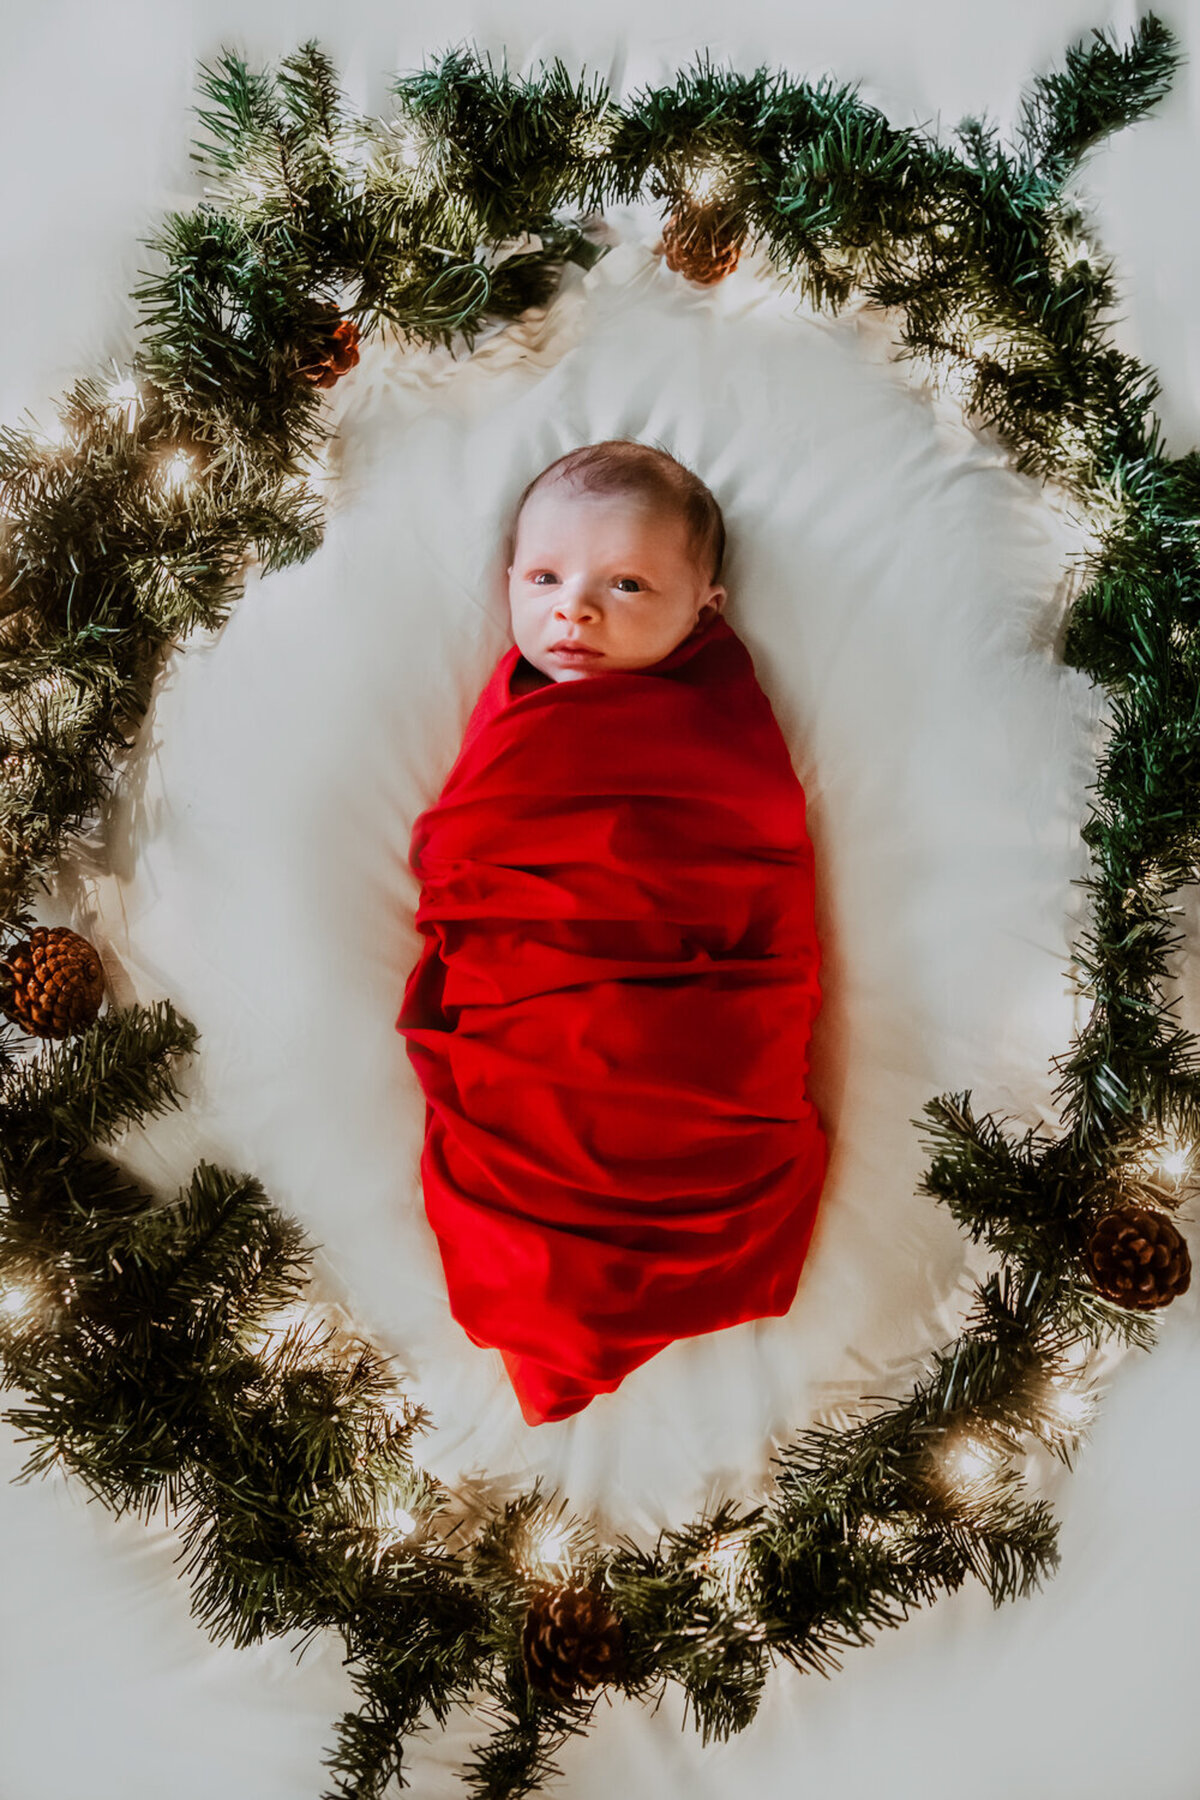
x=610, y=1018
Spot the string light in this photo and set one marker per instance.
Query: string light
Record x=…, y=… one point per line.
x=968, y=1466
x=551, y=1546
x=124, y=395
x=406, y=145
x=1072, y=1408
x=706, y=180
x=1164, y=1155
x=1176, y=1156
x=396, y=1522
x=16, y=1303
x=176, y=472
x=725, y=1562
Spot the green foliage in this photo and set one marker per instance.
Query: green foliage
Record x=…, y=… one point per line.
x=152, y=1340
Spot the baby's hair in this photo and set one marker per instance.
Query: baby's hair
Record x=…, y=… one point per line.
x=624, y=466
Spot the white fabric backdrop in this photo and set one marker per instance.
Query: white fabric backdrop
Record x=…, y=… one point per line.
x=902, y=593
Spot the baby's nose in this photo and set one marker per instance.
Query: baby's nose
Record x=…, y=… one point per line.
x=572, y=603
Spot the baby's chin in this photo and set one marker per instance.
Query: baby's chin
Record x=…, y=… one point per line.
x=583, y=673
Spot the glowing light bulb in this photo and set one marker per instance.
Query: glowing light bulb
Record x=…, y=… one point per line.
x=407, y=144
x=706, y=182
x=551, y=1545
x=725, y=1561
x=968, y=1464
x=396, y=1522
x=15, y=1302
x=1072, y=1407
x=1176, y=1156
x=125, y=396
x=177, y=472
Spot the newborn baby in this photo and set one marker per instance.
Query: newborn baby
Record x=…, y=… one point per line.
x=605, y=580
x=611, y=1014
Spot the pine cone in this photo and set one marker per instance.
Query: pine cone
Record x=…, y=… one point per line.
x=572, y=1639
x=699, y=243
x=1137, y=1257
x=332, y=348
x=53, y=983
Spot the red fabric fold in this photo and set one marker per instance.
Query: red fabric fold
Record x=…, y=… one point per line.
x=611, y=1015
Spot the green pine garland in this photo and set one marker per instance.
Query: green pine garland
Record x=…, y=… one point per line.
x=162, y=1345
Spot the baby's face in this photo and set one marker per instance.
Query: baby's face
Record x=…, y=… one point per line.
x=607, y=572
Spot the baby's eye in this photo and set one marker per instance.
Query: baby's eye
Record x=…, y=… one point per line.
x=545, y=575
x=634, y=584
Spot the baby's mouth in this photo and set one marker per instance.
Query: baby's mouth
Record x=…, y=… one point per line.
x=574, y=652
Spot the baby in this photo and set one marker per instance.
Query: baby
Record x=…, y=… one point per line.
x=610, y=1016
x=616, y=551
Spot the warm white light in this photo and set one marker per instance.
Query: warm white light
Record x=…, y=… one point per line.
x=1073, y=247
x=1176, y=1156
x=125, y=396
x=552, y=1545
x=968, y=1462
x=1070, y=1406
x=176, y=472
x=706, y=182
x=725, y=1562
x=396, y=1522
x=407, y=145
x=15, y=1302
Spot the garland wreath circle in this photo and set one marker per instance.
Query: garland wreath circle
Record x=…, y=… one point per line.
x=163, y=1347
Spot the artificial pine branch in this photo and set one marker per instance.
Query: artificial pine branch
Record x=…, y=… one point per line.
x=1101, y=89
x=88, y=1087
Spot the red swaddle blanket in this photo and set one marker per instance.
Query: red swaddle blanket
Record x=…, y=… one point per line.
x=610, y=1018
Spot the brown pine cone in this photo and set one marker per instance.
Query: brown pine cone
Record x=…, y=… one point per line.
x=1138, y=1257
x=332, y=350
x=572, y=1639
x=52, y=983
x=699, y=243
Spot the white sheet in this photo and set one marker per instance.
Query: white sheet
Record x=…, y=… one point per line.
x=901, y=592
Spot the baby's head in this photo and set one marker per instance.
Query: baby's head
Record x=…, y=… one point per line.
x=617, y=548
